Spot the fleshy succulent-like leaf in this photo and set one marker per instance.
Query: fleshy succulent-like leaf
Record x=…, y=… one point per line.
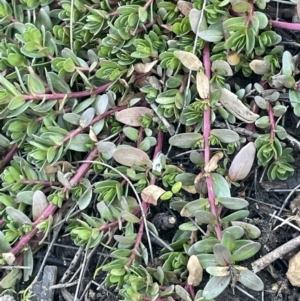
x=131, y=116
x=185, y=140
x=252, y=231
x=225, y=136
x=222, y=255
x=4, y=245
x=39, y=204
x=240, y=168
x=215, y=286
x=251, y=280
x=18, y=216
x=246, y=251
x=232, y=203
x=130, y=156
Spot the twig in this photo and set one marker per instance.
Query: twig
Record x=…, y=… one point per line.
x=264, y=261
x=287, y=199
x=284, y=222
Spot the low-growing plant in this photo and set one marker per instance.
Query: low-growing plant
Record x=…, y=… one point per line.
x=90, y=95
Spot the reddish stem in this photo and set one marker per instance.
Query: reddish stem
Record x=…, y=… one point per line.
x=44, y=183
x=206, y=134
x=157, y=150
x=250, y=14
x=50, y=210
x=286, y=25
x=96, y=119
x=9, y=156
x=272, y=121
x=68, y=95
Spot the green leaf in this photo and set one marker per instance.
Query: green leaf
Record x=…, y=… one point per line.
x=225, y=136
x=189, y=226
x=203, y=246
x=246, y=251
x=220, y=186
x=251, y=280
x=11, y=279
x=129, y=217
x=218, y=271
x=222, y=255
x=262, y=18
x=232, y=203
x=8, y=86
x=215, y=286
x=211, y=35
x=87, y=117
x=236, y=231
x=35, y=86
x=56, y=83
x=233, y=24
x=28, y=262
x=15, y=59
x=228, y=241
x=69, y=65
x=131, y=133
x=207, y=260
x=85, y=198
x=4, y=245
x=189, y=209
x=241, y=214
x=18, y=216
x=16, y=102
x=263, y=122
x=142, y=14
x=185, y=140
x=252, y=231
x=261, y=102
x=78, y=143
x=205, y=217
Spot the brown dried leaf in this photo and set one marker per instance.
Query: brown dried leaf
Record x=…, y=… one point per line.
x=293, y=272
x=151, y=194
x=260, y=67
x=9, y=258
x=92, y=135
x=242, y=163
x=231, y=102
x=185, y=7
x=190, y=189
x=189, y=60
x=131, y=116
x=195, y=271
x=213, y=162
x=144, y=68
x=202, y=82
x=130, y=156
x=200, y=184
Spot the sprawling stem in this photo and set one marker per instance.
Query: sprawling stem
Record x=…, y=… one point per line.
x=206, y=135
x=286, y=25
x=96, y=119
x=9, y=156
x=158, y=149
x=272, y=121
x=51, y=96
x=50, y=210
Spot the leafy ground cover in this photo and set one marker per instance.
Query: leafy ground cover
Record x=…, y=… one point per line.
x=149, y=149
